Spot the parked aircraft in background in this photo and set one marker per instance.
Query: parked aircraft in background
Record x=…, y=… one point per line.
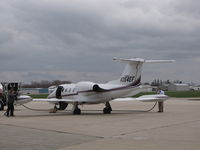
x=128, y=84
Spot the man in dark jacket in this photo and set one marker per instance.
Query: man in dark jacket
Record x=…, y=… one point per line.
x=10, y=103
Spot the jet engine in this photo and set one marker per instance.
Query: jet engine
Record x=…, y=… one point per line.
x=89, y=86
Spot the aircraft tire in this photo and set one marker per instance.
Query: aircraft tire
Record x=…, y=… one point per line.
x=106, y=111
x=62, y=106
x=1, y=105
x=77, y=111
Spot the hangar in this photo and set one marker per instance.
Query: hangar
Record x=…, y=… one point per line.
x=178, y=87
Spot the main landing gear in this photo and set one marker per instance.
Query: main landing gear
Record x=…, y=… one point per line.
x=53, y=110
x=76, y=110
x=62, y=106
x=107, y=109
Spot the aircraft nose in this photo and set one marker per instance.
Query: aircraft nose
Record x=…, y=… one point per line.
x=51, y=95
x=29, y=98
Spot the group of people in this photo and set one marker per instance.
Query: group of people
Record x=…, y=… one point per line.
x=10, y=103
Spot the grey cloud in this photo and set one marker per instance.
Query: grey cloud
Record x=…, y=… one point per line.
x=84, y=36
x=5, y=37
x=188, y=8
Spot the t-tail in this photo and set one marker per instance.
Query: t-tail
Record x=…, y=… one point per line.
x=133, y=69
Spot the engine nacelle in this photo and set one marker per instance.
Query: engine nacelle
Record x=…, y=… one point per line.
x=96, y=88
x=88, y=86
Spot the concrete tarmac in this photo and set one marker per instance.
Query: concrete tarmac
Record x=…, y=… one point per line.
x=128, y=127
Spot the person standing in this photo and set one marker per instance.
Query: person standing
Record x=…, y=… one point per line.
x=160, y=92
x=160, y=103
x=10, y=103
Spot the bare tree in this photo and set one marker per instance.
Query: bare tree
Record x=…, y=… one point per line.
x=44, y=84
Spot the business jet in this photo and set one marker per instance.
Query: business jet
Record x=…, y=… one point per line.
x=128, y=84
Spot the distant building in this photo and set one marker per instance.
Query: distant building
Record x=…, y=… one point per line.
x=34, y=91
x=164, y=87
x=178, y=87
x=146, y=88
x=195, y=88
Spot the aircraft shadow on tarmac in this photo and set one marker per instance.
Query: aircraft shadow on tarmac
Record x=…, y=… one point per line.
x=84, y=113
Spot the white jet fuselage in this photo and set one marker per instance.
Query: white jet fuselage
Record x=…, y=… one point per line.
x=85, y=92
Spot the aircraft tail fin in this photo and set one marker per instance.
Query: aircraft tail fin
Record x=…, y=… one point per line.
x=132, y=72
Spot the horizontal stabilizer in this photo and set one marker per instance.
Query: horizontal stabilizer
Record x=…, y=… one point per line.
x=142, y=60
x=146, y=98
x=129, y=60
x=159, y=61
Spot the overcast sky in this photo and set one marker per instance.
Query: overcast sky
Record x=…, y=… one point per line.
x=76, y=39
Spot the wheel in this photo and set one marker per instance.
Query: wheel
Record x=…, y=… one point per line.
x=1, y=105
x=77, y=111
x=106, y=111
x=62, y=105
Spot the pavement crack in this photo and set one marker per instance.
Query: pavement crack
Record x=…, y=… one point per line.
x=154, y=128
x=57, y=131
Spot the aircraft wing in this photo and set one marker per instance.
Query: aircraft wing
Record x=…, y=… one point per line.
x=146, y=98
x=55, y=100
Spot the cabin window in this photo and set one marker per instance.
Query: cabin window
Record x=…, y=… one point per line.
x=69, y=90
